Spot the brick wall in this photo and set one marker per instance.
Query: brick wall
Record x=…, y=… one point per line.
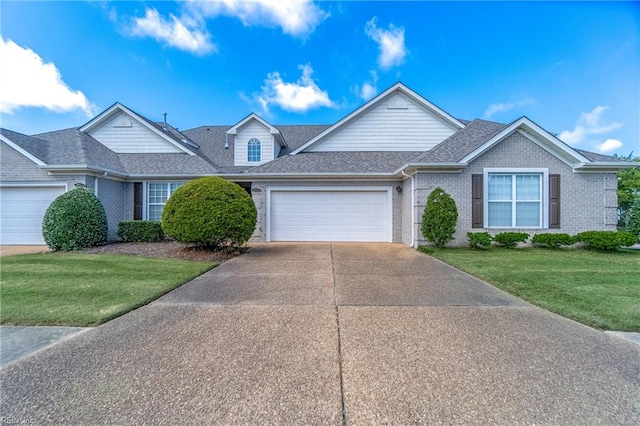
x=588, y=201
x=111, y=194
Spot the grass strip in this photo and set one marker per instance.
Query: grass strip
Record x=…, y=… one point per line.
x=599, y=289
x=79, y=289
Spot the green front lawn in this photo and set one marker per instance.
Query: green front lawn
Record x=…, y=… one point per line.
x=598, y=289
x=78, y=289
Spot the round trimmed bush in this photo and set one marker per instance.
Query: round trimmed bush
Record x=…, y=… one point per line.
x=210, y=212
x=74, y=221
x=439, y=218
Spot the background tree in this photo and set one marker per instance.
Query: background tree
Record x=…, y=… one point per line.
x=628, y=189
x=439, y=218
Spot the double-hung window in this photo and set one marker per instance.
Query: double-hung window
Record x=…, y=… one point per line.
x=157, y=195
x=515, y=199
x=254, y=151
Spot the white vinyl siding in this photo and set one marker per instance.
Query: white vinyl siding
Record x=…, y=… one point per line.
x=395, y=125
x=125, y=135
x=515, y=200
x=22, y=210
x=253, y=130
x=157, y=195
x=357, y=214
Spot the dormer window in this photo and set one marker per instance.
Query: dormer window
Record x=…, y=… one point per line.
x=254, y=151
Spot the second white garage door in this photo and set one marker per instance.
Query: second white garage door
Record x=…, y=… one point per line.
x=22, y=210
x=330, y=215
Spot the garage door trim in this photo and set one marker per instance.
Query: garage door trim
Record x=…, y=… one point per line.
x=335, y=188
x=61, y=186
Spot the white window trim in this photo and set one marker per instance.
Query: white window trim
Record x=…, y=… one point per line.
x=146, y=204
x=261, y=153
x=512, y=171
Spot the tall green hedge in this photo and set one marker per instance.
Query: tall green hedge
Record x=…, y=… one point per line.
x=210, y=212
x=74, y=221
x=439, y=218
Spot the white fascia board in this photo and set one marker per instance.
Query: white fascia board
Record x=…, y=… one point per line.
x=81, y=168
x=100, y=119
x=253, y=116
x=603, y=166
x=398, y=87
x=515, y=126
x=22, y=151
x=432, y=166
x=309, y=176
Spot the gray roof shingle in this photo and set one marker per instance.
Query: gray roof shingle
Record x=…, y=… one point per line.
x=39, y=148
x=71, y=146
x=463, y=142
x=165, y=164
x=337, y=162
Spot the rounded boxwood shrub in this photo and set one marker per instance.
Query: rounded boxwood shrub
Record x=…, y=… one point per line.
x=479, y=240
x=439, y=218
x=606, y=240
x=74, y=221
x=210, y=212
x=510, y=239
x=553, y=240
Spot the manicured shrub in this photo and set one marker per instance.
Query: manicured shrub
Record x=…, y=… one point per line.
x=553, y=240
x=510, y=239
x=633, y=218
x=439, y=218
x=607, y=240
x=210, y=212
x=479, y=240
x=140, y=231
x=74, y=221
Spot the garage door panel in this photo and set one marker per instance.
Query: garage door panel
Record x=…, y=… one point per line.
x=21, y=212
x=330, y=215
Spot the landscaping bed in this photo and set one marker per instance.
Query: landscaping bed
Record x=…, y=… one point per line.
x=165, y=249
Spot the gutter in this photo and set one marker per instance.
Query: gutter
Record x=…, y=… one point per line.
x=413, y=210
x=601, y=166
x=82, y=168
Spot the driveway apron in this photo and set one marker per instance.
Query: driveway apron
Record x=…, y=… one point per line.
x=331, y=334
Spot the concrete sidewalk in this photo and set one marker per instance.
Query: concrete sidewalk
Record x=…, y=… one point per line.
x=331, y=334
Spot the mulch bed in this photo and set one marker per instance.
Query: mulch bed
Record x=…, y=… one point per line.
x=169, y=249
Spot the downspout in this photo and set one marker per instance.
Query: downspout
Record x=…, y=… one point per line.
x=95, y=183
x=413, y=210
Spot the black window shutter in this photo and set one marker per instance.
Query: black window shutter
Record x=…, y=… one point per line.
x=476, y=202
x=554, y=201
x=137, y=201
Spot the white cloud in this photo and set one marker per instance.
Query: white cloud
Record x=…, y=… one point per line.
x=390, y=42
x=609, y=146
x=30, y=82
x=506, y=106
x=590, y=123
x=300, y=96
x=184, y=33
x=296, y=17
x=368, y=89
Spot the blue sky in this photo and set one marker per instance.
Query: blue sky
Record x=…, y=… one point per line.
x=572, y=67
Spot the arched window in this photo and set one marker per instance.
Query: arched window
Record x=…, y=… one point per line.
x=254, y=151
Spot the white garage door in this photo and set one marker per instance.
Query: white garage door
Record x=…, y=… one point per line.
x=330, y=215
x=21, y=213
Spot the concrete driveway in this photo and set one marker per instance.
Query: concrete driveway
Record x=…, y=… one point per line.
x=331, y=334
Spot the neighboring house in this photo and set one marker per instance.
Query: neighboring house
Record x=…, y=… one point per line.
x=364, y=178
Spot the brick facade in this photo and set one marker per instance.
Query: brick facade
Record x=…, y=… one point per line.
x=588, y=201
